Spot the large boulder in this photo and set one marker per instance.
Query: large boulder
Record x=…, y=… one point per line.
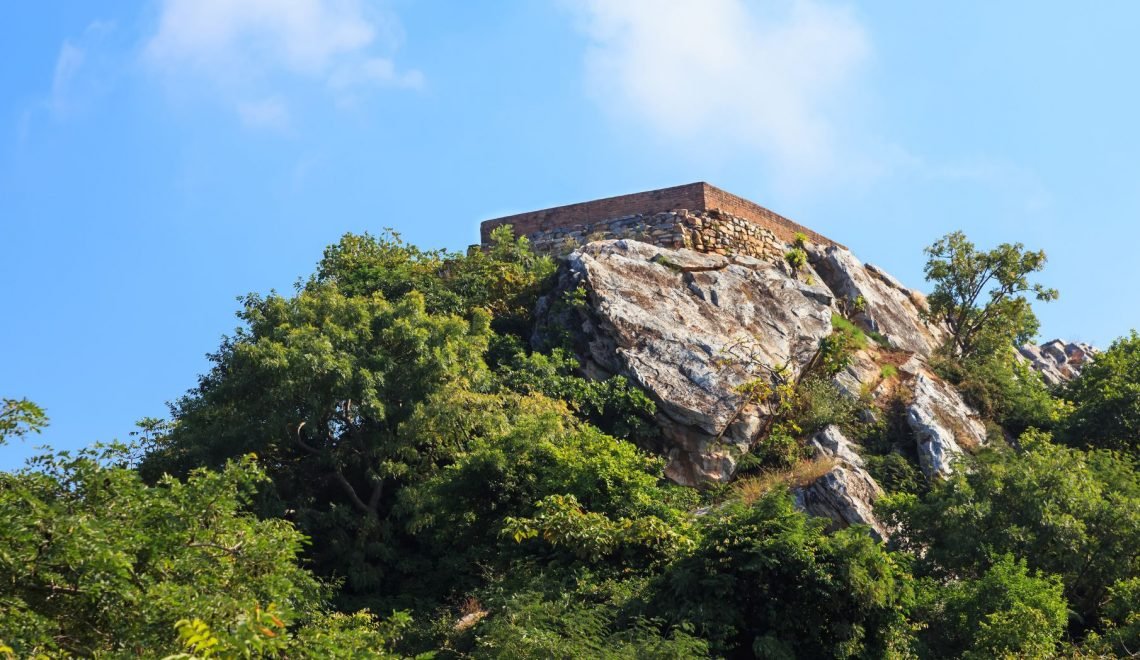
x=876, y=301
x=672, y=320
x=846, y=493
x=944, y=426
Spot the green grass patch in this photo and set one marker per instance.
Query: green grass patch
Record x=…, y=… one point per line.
x=858, y=337
x=842, y=324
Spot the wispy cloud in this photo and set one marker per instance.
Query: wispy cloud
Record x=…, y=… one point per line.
x=269, y=113
x=83, y=71
x=244, y=50
x=70, y=88
x=776, y=79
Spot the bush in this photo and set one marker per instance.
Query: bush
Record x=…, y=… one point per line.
x=613, y=405
x=1005, y=613
x=895, y=474
x=820, y=404
x=1002, y=388
x=796, y=258
x=1068, y=513
x=1106, y=399
x=758, y=566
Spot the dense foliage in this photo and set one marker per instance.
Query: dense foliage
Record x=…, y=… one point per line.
x=385, y=439
x=980, y=295
x=1106, y=399
x=96, y=562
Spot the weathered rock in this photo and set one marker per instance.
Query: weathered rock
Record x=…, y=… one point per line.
x=665, y=318
x=888, y=307
x=943, y=425
x=846, y=493
x=1058, y=362
x=831, y=442
x=846, y=496
x=860, y=372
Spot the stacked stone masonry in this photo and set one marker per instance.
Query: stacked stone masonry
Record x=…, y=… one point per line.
x=712, y=232
x=696, y=216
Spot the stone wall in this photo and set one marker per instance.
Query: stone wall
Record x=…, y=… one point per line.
x=712, y=231
x=616, y=212
x=783, y=228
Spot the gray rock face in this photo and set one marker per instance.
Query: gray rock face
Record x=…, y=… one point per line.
x=664, y=318
x=672, y=321
x=1057, y=361
x=942, y=424
x=831, y=442
x=888, y=307
x=846, y=494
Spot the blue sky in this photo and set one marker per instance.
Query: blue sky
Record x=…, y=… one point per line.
x=159, y=158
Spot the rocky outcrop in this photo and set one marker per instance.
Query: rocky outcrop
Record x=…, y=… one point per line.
x=691, y=327
x=831, y=443
x=875, y=300
x=1058, y=362
x=943, y=425
x=676, y=322
x=846, y=493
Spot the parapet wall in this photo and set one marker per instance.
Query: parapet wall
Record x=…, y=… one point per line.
x=712, y=231
x=595, y=216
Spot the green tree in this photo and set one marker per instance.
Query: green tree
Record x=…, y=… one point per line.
x=19, y=417
x=93, y=561
x=980, y=296
x=1066, y=512
x=1106, y=399
x=322, y=387
x=537, y=451
x=766, y=579
x=505, y=279
x=1004, y=613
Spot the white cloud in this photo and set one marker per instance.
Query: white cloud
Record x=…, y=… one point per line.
x=67, y=64
x=776, y=78
x=236, y=46
x=70, y=88
x=269, y=113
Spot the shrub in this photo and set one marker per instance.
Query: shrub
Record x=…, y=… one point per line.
x=895, y=473
x=820, y=404
x=760, y=568
x=796, y=258
x=1002, y=388
x=1106, y=399
x=1007, y=612
x=1067, y=512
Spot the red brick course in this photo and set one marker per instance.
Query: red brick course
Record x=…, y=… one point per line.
x=693, y=197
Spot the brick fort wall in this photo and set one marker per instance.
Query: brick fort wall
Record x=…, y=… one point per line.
x=597, y=216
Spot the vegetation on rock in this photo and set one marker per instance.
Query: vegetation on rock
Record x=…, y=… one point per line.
x=383, y=463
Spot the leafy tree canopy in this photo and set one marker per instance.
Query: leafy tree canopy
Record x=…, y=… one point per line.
x=19, y=417
x=96, y=562
x=981, y=295
x=1066, y=512
x=1106, y=399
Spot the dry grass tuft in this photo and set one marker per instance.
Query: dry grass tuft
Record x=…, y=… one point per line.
x=471, y=612
x=750, y=489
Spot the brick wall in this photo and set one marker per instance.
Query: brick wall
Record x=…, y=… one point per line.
x=698, y=197
x=690, y=196
x=783, y=228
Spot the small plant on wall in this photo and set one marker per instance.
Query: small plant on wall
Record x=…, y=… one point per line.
x=796, y=259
